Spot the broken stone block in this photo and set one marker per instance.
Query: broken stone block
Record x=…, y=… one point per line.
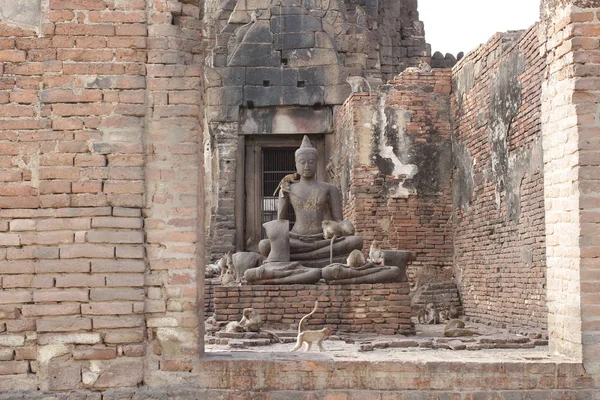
x=63, y=375
x=404, y=343
x=457, y=345
x=231, y=335
x=120, y=373
x=366, y=347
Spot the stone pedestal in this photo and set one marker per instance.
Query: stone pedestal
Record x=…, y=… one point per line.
x=368, y=308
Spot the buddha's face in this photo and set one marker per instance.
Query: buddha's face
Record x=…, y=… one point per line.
x=306, y=164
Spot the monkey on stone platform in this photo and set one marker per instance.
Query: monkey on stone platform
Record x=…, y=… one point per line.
x=355, y=259
x=227, y=269
x=456, y=328
x=421, y=315
x=252, y=322
x=452, y=312
x=333, y=230
x=433, y=316
x=310, y=337
x=375, y=253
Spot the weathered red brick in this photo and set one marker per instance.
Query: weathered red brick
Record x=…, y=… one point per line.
x=117, y=16
x=176, y=365
x=131, y=30
x=124, y=336
x=31, y=252
x=15, y=296
x=46, y=238
x=27, y=281
x=50, y=309
x=113, y=308
x=95, y=353
x=87, y=251
x=17, y=267
x=115, y=236
x=78, y=280
x=69, y=324
x=117, y=322
x=59, y=295
x=57, y=266
x=9, y=312
x=110, y=294
x=12, y=56
x=14, y=367
x=124, y=280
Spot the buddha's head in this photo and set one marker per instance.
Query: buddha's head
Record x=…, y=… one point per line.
x=306, y=159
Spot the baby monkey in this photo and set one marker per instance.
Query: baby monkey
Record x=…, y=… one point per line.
x=310, y=337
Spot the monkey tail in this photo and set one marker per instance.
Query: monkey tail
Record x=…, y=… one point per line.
x=273, y=335
x=307, y=315
x=331, y=249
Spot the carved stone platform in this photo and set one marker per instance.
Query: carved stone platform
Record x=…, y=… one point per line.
x=382, y=308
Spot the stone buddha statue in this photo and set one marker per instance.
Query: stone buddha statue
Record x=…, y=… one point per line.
x=313, y=202
x=303, y=255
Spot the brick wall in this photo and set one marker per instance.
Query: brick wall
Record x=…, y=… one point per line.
x=72, y=257
x=406, y=210
x=173, y=183
x=380, y=308
x=499, y=259
x=79, y=122
x=570, y=132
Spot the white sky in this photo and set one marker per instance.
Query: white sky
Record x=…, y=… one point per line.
x=461, y=25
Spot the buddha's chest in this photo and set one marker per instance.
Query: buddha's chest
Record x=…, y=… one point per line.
x=308, y=199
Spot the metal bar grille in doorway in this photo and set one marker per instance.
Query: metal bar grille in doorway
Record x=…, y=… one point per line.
x=277, y=162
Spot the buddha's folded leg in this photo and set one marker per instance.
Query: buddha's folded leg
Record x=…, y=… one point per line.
x=321, y=249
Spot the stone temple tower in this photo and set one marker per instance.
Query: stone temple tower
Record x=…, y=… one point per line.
x=277, y=70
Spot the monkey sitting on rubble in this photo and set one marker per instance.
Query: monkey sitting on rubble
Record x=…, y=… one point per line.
x=251, y=322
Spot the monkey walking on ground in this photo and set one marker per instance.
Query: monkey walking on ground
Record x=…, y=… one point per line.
x=310, y=337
